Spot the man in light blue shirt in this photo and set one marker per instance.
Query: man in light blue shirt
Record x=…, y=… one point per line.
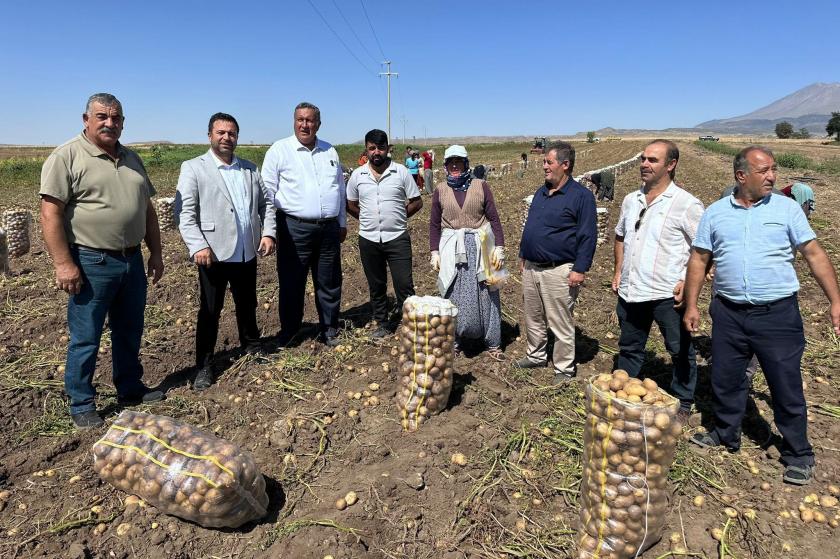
x=225, y=220
x=752, y=237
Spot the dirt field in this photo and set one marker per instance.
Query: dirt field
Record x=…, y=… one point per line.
x=517, y=494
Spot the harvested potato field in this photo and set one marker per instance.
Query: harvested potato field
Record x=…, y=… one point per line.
x=495, y=474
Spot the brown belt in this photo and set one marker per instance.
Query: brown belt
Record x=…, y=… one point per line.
x=127, y=251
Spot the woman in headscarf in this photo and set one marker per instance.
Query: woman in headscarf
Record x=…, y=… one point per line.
x=467, y=244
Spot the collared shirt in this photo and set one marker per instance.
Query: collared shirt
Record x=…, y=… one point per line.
x=240, y=195
x=754, y=248
x=655, y=254
x=105, y=199
x=413, y=165
x=561, y=227
x=305, y=183
x=382, y=211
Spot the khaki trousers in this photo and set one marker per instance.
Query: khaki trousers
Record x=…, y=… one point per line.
x=550, y=302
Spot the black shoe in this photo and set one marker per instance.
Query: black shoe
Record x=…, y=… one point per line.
x=526, y=363
x=330, y=341
x=87, y=420
x=380, y=331
x=146, y=397
x=203, y=379
x=254, y=349
x=284, y=340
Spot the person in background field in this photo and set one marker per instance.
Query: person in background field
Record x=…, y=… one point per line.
x=524, y=161
x=463, y=228
x=382, y=196
x=413, y=164
x=558, y=244
x=302, y=174
x=363, y=158
x=95, y=211
x=428, y=175
x=653, y=238
x=226, y=220
x=752, y=237
x=803, y=194
x=480, y=172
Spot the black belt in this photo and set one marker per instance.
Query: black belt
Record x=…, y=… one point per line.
x=553, y=264
x=321, y=221
x=747, y=306
x=127, y=251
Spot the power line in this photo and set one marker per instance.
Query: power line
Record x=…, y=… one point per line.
x=353, y=31
x=372, y=30
x=337, y=36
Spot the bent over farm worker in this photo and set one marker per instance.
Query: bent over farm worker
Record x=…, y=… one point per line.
x=652, y=243
x=558, y=244
x=305, y=184
x=95, y=211
x=752, y=237
x=466, y=238
x=225, y=224
x=382, y=195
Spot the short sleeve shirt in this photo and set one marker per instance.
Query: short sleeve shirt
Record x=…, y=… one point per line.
x=105, y=199
x=754, y=248
x=382, y=211
x=656, y=252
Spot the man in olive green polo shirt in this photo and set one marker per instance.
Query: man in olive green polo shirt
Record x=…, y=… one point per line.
x=95, y=211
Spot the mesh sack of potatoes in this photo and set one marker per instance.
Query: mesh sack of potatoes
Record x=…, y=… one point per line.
x=165, y=208
x=4, y=253
x=630, y=437
x=181, y=470
x=427, y=342
x=16, y=223
x=603, y=217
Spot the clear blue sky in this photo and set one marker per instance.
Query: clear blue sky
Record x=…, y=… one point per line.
x=466, y=68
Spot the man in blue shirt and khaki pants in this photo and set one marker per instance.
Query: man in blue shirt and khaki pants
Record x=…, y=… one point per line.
x=751, y=236
x=558, y=244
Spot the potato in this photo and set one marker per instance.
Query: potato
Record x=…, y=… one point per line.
x=226, y=491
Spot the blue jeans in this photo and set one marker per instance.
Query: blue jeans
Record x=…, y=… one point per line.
x=635, y=320
x=114, y=286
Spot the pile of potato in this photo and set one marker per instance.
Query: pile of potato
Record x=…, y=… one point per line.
x=4, y=253
x=630, y=438
x=16, y=225
x=603, y=220
x=181, y=470
x=165, y=208
x=427, y=342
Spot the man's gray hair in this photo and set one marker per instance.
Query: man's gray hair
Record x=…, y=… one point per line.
x=103, y=99
x=563, y=151
x=741, y=164
x=305, y=105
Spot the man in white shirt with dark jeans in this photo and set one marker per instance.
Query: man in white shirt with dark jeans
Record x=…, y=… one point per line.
x=304, y=180
x=382, y=195
x=653, y=239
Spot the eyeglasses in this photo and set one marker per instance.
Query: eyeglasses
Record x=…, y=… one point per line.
x=641, y=215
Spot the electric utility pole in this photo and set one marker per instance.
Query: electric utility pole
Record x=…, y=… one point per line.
x=389, y=73
x=404, y=120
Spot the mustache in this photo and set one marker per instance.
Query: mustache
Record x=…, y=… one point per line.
x=108, y=129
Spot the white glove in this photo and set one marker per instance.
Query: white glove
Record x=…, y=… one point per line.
x=435, y=261
x=497, y=258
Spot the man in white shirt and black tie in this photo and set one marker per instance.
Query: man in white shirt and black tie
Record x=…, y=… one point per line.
x=303, y=177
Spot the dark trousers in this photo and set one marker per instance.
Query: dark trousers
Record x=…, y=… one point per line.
x=376, y=258
x=213, y=282
x=635, y=320
x=774, y=334
x=302, y=247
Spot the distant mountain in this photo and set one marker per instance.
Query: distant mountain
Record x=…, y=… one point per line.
x=808, y=108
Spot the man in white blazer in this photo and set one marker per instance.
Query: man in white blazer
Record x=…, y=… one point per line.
x=221, y=203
